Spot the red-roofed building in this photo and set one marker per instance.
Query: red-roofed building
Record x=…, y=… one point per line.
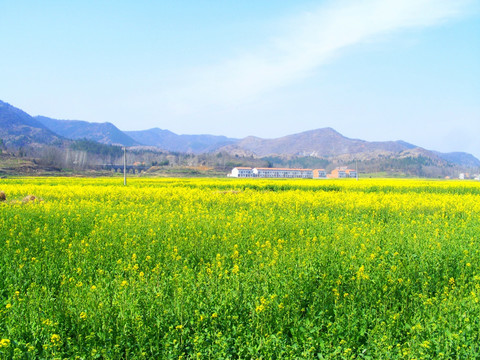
x=319, y=174
x=351, y=173
x=338, y=173
x=342, y=173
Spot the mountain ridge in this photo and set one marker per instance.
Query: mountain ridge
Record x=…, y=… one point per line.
x=17, y=128
x=323, y=142
x=105, y=133
x=168, y=140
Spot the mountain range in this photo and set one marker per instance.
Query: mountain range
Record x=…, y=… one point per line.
x=105, y=133
x=18, y=129
x=324, y=142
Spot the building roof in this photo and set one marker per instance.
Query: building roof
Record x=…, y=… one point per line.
x=243, y=168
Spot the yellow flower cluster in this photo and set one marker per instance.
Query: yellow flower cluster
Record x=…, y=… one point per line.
x=4, y=343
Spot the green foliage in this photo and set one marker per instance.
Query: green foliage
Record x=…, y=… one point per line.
x=96, y=148
x=239, y=269
x=160, y=163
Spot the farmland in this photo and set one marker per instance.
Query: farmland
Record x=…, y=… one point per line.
x=232, y=268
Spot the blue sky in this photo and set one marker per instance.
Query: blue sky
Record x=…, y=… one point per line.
x=371, y=69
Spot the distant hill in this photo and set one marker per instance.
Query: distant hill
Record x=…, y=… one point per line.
x=170, y=141
x=324, y=142
x=105, y=133
x=18, y=129
x=461, y=158
x=330, y=144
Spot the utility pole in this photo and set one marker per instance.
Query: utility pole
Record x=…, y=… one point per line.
x=356, y=168
x=125, y=165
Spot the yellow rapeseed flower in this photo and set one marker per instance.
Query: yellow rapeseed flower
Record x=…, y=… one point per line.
x=361, y=275
x=426, y=344
x=55, y=338
x=4, y=343
x=260, y=308
x=235, y=269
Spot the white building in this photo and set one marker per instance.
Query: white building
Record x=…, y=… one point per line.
x=283, y=173
x=242, y=172
x=247, y=172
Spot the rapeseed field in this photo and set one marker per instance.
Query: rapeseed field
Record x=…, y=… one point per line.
x=239, y=269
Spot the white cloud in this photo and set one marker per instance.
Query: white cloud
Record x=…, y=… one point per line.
x=308, y=41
